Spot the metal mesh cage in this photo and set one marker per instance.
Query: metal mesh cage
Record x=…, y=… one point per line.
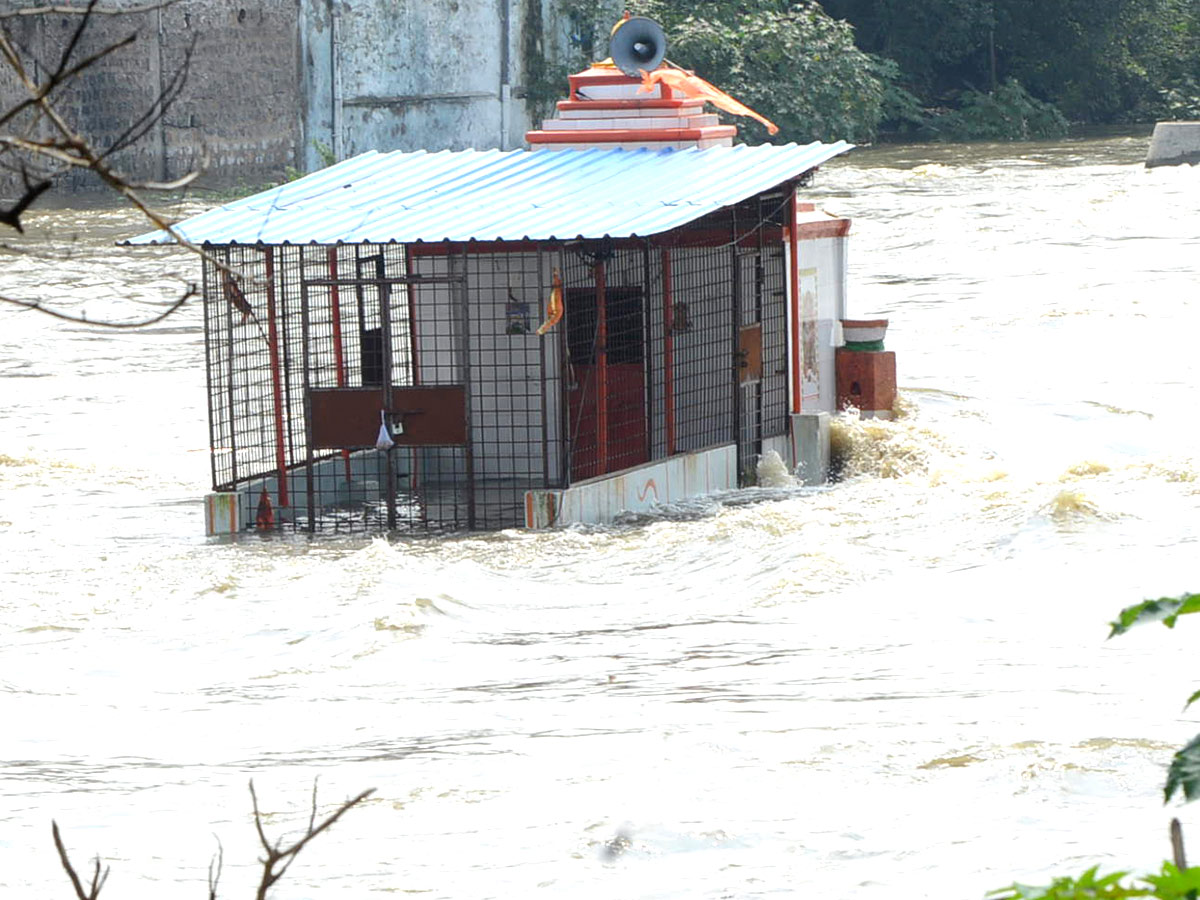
x=665, y=345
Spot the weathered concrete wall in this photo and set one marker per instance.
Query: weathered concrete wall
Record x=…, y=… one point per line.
x=239, y=107
x=271, y=80
x=430, y=74
x=1174, y=144
x=242, y=103
x=388, y=75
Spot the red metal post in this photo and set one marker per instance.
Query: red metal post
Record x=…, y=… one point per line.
x=668, y=350
x=276, y=379
x=601, y=371
x=414, y=357
x=410, y=291
x=794, y=300
x=335, y=304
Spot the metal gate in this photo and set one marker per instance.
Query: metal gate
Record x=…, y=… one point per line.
x=760, y=349
x=359, y=332
x=607, y=361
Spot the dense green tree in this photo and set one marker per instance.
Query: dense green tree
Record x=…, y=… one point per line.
x=940, y=45
x=952, y=69
x=1097, y=60
x=789, y=61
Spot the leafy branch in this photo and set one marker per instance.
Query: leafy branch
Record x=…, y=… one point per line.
x=1165, y=609
x=1175, y=881
x=1183, y=775
x=1171, y=883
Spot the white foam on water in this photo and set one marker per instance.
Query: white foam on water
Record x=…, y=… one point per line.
x=773, y=472
x=776, y=690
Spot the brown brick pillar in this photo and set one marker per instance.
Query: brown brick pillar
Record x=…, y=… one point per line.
x=866, y=380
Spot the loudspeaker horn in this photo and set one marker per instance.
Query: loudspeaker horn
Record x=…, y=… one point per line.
x=637, y=43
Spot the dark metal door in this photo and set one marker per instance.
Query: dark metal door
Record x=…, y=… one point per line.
x=361, y=372
x=760, y=354
x=605, y=372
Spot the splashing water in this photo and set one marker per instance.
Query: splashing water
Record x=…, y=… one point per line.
x=882, y=448
x=1071, y=505
x=773, y=472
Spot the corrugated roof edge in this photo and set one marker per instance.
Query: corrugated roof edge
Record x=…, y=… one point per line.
x=409, y=197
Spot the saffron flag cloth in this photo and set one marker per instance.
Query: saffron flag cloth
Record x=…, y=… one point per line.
x=694, y=86
x=554, y=309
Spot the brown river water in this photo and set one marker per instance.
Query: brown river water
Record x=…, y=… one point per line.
x=895, y=686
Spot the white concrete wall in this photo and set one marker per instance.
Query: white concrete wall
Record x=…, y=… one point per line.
x=823, y=272
x=601, y=500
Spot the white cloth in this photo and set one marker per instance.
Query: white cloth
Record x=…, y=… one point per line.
x=384, y=441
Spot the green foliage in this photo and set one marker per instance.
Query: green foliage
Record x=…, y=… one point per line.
x=1165, y=609
x=1103, y=60
x=1178, y=101
x=324, y=152
x=1184, y=773
x=544, y=77
x=1173, y=884
x=1096, y=60
x=948, y=69
x=790, y=62
x=901, y=109
x=1183, y=777
x=1008, y=113
x=1087, y=886
x=1169, y=884
x=940, y=45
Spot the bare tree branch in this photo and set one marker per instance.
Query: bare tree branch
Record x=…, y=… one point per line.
x=60, y=78
x=214, y=871
x=58, y=150
x=50, y=138
x=153, y=114
x=98, y=878
x=73, y=41
x=279, y=858
x=79, y=11
x=12, y=216
x=181, y=182
x=36, y=306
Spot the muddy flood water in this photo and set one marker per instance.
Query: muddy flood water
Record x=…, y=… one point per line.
x=897, y=686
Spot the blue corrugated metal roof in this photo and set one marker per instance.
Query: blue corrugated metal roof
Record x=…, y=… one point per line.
x=502, y=195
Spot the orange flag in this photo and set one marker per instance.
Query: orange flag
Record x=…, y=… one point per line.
x=694, y=86
x=554, y=309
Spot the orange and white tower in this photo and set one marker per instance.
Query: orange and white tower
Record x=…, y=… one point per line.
x=607, y=108
x=616, y=104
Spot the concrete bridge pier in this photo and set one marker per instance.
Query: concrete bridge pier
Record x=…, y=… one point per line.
x=1173, y=144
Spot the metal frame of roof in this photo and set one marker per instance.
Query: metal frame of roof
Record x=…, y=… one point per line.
x=502, y=195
